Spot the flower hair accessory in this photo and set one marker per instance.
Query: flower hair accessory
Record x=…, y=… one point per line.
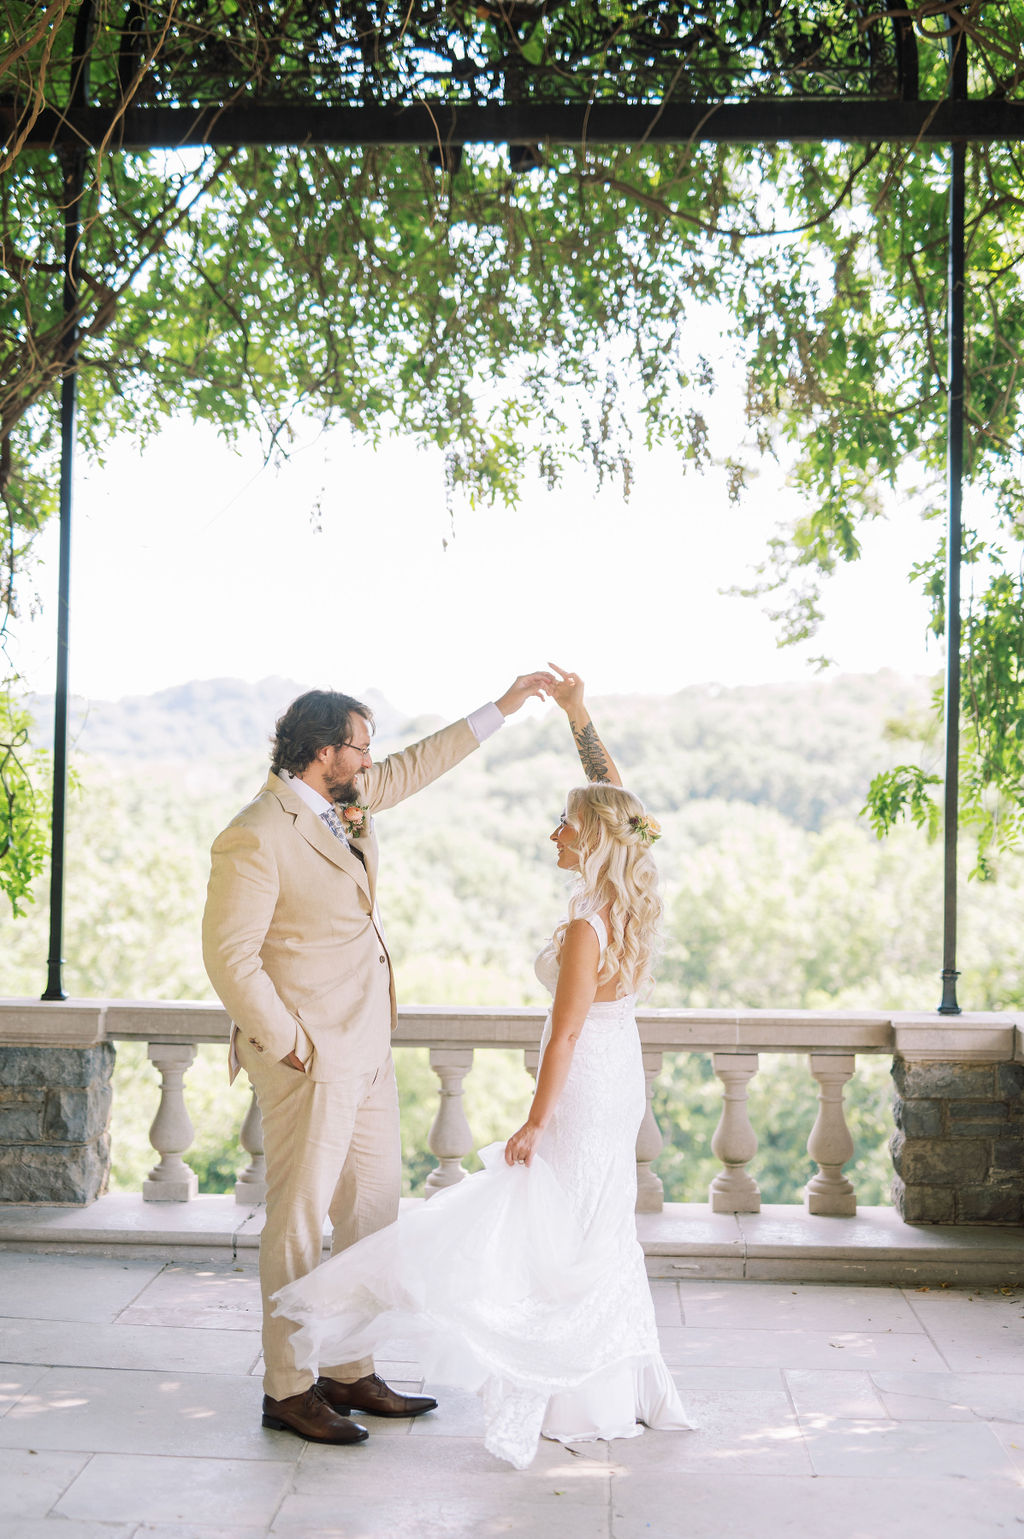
x=355, y=818
x=646, y=828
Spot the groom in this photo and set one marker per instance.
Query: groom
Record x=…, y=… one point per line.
x=293, y=944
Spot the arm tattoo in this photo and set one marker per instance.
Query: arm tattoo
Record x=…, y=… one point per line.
x=591, y=751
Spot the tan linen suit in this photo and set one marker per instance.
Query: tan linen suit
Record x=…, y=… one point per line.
x=293, y=944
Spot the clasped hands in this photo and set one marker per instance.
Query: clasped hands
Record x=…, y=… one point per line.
x=566, y=690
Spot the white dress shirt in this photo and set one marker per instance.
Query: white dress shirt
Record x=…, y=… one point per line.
x=313, y=800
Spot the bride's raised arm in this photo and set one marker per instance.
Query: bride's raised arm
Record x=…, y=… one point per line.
x=597, y=762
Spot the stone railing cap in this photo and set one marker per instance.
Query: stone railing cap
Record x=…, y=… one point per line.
x=972, y=1037
x=979, y=1036
x=52, y=1023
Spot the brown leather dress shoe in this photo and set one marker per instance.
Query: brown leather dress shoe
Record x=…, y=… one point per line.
x=372, y=1396
x=310, y=1416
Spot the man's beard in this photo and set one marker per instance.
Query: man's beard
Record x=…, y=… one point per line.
x=342, y=792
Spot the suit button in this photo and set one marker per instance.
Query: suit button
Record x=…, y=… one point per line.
x=383, y=959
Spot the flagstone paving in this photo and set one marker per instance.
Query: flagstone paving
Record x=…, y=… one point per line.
x=130, y=1406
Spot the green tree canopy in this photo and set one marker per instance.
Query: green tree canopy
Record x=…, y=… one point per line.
x=541, y=320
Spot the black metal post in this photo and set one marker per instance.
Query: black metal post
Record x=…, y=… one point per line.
x=73, y=163
x=954, y=470
x=72, y=160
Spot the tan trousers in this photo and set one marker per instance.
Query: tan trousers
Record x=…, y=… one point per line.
x=333, y=1150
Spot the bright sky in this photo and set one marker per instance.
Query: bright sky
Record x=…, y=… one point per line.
x=191, y=562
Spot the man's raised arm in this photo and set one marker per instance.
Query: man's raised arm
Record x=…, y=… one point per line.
x=408, y=770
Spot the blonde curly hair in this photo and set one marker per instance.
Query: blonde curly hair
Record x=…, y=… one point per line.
x=616, y=867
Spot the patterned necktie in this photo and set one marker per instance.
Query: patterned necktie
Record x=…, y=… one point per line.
x=331, y=818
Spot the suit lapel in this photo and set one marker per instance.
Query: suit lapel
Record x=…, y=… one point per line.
x=316, y=833
x=320, y=837
x=367, y=847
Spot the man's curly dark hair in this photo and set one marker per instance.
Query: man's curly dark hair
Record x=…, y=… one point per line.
x=321, y=718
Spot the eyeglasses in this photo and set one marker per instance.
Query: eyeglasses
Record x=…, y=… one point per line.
x=364, y=752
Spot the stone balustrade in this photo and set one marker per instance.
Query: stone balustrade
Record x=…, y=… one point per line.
x=958, y=1144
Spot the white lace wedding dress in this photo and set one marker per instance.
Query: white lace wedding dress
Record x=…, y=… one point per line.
x=527, y=1285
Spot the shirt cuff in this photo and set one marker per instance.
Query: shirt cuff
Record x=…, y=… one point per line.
x=485, y=722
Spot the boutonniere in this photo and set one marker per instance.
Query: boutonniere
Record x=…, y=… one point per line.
x=356, y=819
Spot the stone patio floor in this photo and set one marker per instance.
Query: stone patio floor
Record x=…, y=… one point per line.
x=130, y=1400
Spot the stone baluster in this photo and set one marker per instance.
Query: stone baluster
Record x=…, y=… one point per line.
x=734, y=1190
x=830, y=1144
x=251, y=1186
x=450, y=1139
x=531, y=1061
x=650, y=1194
x=171, y=1134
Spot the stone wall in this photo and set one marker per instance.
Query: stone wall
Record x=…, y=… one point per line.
x=958, y=1149
x=55, y=1123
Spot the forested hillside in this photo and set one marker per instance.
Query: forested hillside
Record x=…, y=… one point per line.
x=776, y=891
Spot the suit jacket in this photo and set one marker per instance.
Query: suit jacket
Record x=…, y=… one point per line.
x=292, y=939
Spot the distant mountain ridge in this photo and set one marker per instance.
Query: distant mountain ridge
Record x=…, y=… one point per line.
x=203, y=719
x=808, y=749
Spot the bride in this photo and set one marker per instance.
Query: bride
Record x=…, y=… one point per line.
x=526, y=1282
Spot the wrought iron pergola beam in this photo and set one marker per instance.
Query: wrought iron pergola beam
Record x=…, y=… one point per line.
x=258, y=123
